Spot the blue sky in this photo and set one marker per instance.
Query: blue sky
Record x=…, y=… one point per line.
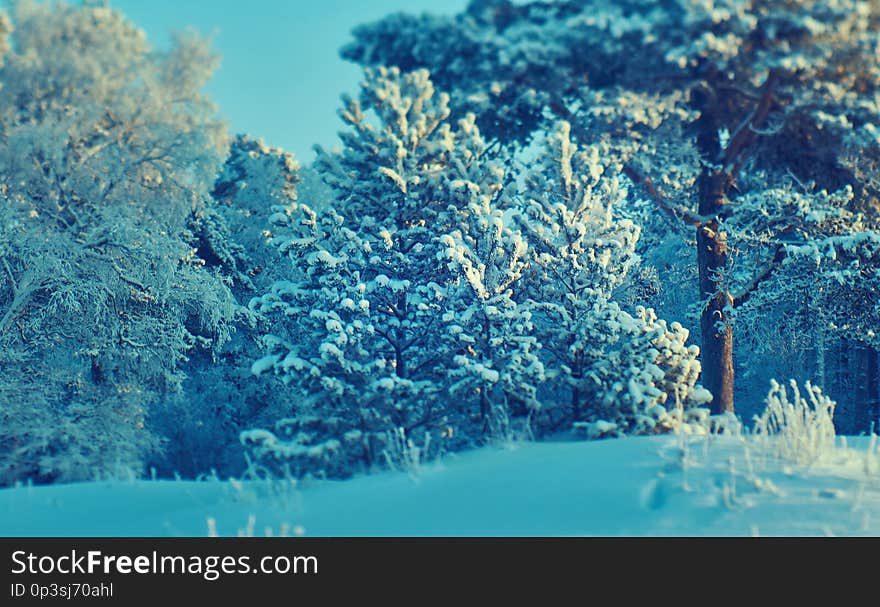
x=281, y=75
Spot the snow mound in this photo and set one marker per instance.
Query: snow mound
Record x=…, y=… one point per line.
x=683, y=485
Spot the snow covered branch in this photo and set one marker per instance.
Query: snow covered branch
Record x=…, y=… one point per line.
x=762, y=276
x=674, y=210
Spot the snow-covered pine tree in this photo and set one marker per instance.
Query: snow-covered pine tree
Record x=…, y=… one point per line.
x=362, y=324
x=700, y=102
x=632, y=372
x=497, y=363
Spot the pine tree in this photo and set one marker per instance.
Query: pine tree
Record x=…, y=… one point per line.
x=360, y=322
x=497, y=358
x=699, y=104
x=603, y=362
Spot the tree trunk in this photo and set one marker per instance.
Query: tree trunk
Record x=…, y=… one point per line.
x=869, y=393
x=717, y=334
x=820, y=359
x=576, y=374
x=485, y=408
x=872, y=383
x=401, y=338
x=722, y=161
x=844, y=416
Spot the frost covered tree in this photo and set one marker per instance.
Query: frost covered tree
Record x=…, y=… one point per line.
x=373, y=313
x=108, y=150
x=255, y=179
x=632, y=372
x=219, y=397
x=436, y=293
x=701, y=104
x=823, y=299
x=488, y=317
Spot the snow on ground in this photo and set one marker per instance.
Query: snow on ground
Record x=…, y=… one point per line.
x=648, y=486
